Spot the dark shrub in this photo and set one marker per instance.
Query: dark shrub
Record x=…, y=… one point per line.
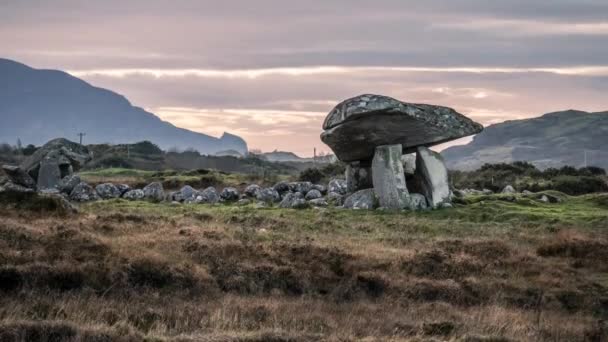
x=573, y=185
x=312, y=175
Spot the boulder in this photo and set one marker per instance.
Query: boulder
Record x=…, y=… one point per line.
x=268, y=195
x=431, y=177
x=123, y=188
x=68, y=183
x=68, y=156
x=355, y=127
x=335, y=198
x=508, y=190
x=252, y=190
x=83, y=192
x=134, y=195
x=319, y=202
x=358, y=176
x=293, y=200
x=209, y=195
x=18, y=176
x=409, y=163
x=321, y=188
x=154, y=192
x=302, y=187
x=174, y=196
x=229, y=194
x=12, y=187
x=313, y=194
x=281, y=187
x=188, y=193
x=362, y=199
x=338, y=186
x=107, y=191
x=389, y=178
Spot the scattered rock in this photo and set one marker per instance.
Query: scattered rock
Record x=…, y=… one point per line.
x=134, y=195
x=107, y=191
x=418, y=202
x=313, y=194
x=335, y=198
x=508, y=190
x=319, y=202
x=154, y=192
x=188, y=193
x=123, y=188
x=12, y=187
x=302, y=187
x=337, y=186
x=243, y=201
x=252, y=190
x=18, y=176
x=362, y=199
x=293, y=200
x=68, y=183
x=268, y=195
x=281, y=187
x=544, y=198
x=209, y=195
x=83, y=192
x=229, y=194
x=321, y=188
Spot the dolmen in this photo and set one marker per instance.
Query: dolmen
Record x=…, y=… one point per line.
x=371, y=133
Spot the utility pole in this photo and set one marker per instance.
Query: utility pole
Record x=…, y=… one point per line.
x=128, y=152
x=81, y=135
x=585, y=152
x=314, y=156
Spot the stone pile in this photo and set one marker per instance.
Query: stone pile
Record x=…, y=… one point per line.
x=377, y=135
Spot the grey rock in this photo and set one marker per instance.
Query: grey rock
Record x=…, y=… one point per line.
x=174, y=196
x=229, y=194
x=431, y=177
x=49, y=174
x=188, y=193
x=260, y=205
x=362, y=199
x=508, y=190
x=319, y=202
x=83, y=192
x=527, y=193
x=358, y=176
x=252, y=190
x=293, y=200
x=409, y=163
x=243, y=201
x=107, y=191
x=338, y=186
x=313, y=194
x=389, y=178
x=302, y=187
x=487, y=191
x=61, y=202
x=335, y=198
x=281, y=187
x=321, y=188
x=446, y=205
x=12, y=187
x=154, y=192
x=268, y=195
x=68, y=183
x=123, y=188
x=417, y=202
x=134, y=195
x=69, y=156
x=209, y=195
x=355, y=127
x=18, y=176
x=544, y=198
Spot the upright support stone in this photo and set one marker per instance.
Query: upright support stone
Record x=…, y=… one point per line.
x=431, y=177
x=49, y=175
x=358, y=176
x=389, y=178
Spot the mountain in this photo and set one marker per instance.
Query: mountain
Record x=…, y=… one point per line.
x=39, y=105
x=570, y=137
x=283, y=156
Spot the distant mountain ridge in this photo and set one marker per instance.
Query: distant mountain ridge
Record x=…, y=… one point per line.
x=39, y=105
x=570, y=137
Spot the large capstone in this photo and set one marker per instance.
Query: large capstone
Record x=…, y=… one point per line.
x=431, y=177
x=389, y=178
x=358, y=176
x=355, y=127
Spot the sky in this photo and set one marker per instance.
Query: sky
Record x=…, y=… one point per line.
x=271, y=70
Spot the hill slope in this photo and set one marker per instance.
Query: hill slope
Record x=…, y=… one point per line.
x=39, y=105
x=552, y=140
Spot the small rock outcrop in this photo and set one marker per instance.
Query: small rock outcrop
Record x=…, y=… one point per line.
x=154, y=192
x=209, y=195
x=229, y=194
x=268, y=195
x=134, y=195
x=252, y=190
x=107, y=191
x=18, y=176
x=313, y=194
x=83, y=192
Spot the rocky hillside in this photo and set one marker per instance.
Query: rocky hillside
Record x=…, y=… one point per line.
x=553, y=140
x=39, y=105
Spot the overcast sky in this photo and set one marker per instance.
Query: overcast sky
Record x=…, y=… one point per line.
x=270, y=70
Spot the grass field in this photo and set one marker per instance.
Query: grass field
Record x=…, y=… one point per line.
x=490, y=270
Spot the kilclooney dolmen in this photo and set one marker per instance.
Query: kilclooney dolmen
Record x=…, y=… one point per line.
x=376, y=135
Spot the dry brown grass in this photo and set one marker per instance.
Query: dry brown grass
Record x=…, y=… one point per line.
x=217, y=275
